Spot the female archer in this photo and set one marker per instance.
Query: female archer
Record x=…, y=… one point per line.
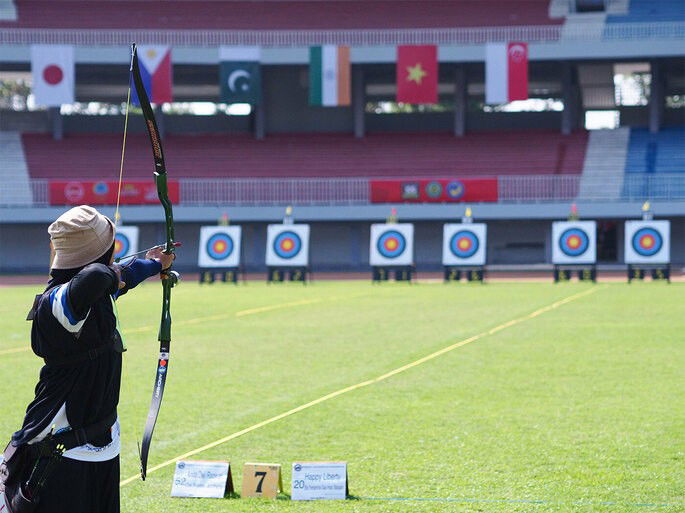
x=65, y=458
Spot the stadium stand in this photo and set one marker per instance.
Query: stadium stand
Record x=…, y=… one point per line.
x=279, y=15
x=7, y=10
x=14, y=176
x=320, y=155
x=648, y=153
x=651, y=11
x=604, y=164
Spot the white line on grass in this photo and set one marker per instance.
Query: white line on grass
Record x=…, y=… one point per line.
x=382, y=377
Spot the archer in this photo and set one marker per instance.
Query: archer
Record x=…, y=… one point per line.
x=65, y=458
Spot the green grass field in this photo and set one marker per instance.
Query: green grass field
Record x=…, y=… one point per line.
x=579, y=407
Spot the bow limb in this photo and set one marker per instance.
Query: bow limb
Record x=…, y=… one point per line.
x=169, y=278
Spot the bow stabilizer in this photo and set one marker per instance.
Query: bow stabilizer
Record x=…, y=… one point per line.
x=169, y=277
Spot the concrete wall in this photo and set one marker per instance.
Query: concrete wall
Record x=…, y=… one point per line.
x=335, y=246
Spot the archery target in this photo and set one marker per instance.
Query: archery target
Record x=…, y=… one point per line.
x=219, y=246
x=464, y=244
x=125, y=241
x=574, y=242
x=287, y=245
x=392, y=244
x=647, y=242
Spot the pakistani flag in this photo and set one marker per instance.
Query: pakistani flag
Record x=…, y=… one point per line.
x=329, y=75
x=240, y=75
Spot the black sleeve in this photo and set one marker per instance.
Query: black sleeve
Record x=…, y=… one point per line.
x=89, y=285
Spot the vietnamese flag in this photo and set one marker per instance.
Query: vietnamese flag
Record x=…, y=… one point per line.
x=417, y=74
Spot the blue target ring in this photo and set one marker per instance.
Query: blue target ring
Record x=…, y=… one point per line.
x=391, y=244
x=464, y=244
x=121, y=245
x=220, y=246
x=647, y=242
x=574, y=242
x=287, y=244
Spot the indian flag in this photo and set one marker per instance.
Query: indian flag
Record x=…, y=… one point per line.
x=329, y=75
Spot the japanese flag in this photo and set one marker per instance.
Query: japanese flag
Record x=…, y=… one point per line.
x=52, y=67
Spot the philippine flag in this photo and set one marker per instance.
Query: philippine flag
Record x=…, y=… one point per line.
x=52, y=68
x=506, y=72
x=155, y=69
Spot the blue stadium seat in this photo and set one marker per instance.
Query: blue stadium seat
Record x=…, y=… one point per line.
x=659, y=153
x=651, y=11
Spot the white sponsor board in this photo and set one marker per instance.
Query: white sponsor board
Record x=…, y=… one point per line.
x=126, y=241
x=574, y=242
x=464, y=244
x=647, y=242
x=206, y=479
x=287, y=245
x=391, y=244
x=219, y=246
x=319, y=481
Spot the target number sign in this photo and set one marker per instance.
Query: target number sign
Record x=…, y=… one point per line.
x=126, y=241
x=574, y=242
x=391, y=244
x=287, y=245
x=464, y=244
x=219, y=246
x=647, y=242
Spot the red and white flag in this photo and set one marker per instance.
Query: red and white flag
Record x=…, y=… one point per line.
x=506, y=72
x=52, y=67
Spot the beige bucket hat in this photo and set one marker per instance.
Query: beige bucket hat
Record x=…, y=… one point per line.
x=80, y=236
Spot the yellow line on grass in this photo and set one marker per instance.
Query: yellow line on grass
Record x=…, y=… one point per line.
x=382, y=377
x=218, y=317
x=15, y=350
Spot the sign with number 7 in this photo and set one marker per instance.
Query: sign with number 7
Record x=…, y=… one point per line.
x=262, y=480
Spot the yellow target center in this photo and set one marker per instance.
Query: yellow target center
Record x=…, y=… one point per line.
x=287, y=244
x=391, y=244
x=464, y=244
x=648, y=241
x=574, y=242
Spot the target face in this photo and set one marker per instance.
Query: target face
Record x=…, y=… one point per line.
x=287, y=244
x=574, y=242
x=391, y=244
x=219, y=246
x=647, y=242
x=125, y=241
x=122, y=246
x=464, y=244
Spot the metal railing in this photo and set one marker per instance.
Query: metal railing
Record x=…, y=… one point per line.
x=357, y=37
x=356, y=191
x=275, y=191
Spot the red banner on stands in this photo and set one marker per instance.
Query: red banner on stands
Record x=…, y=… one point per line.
x=471, y=190
x=105, y=193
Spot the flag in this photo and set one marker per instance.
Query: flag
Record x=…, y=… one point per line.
x=506, y=72
x=155, y=70
x=52, y=68
x=240, y=74
x=329, y=75
x=417, y=74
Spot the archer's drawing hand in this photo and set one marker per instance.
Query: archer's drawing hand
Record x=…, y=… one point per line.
x=117, y=270
x=165, y=259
